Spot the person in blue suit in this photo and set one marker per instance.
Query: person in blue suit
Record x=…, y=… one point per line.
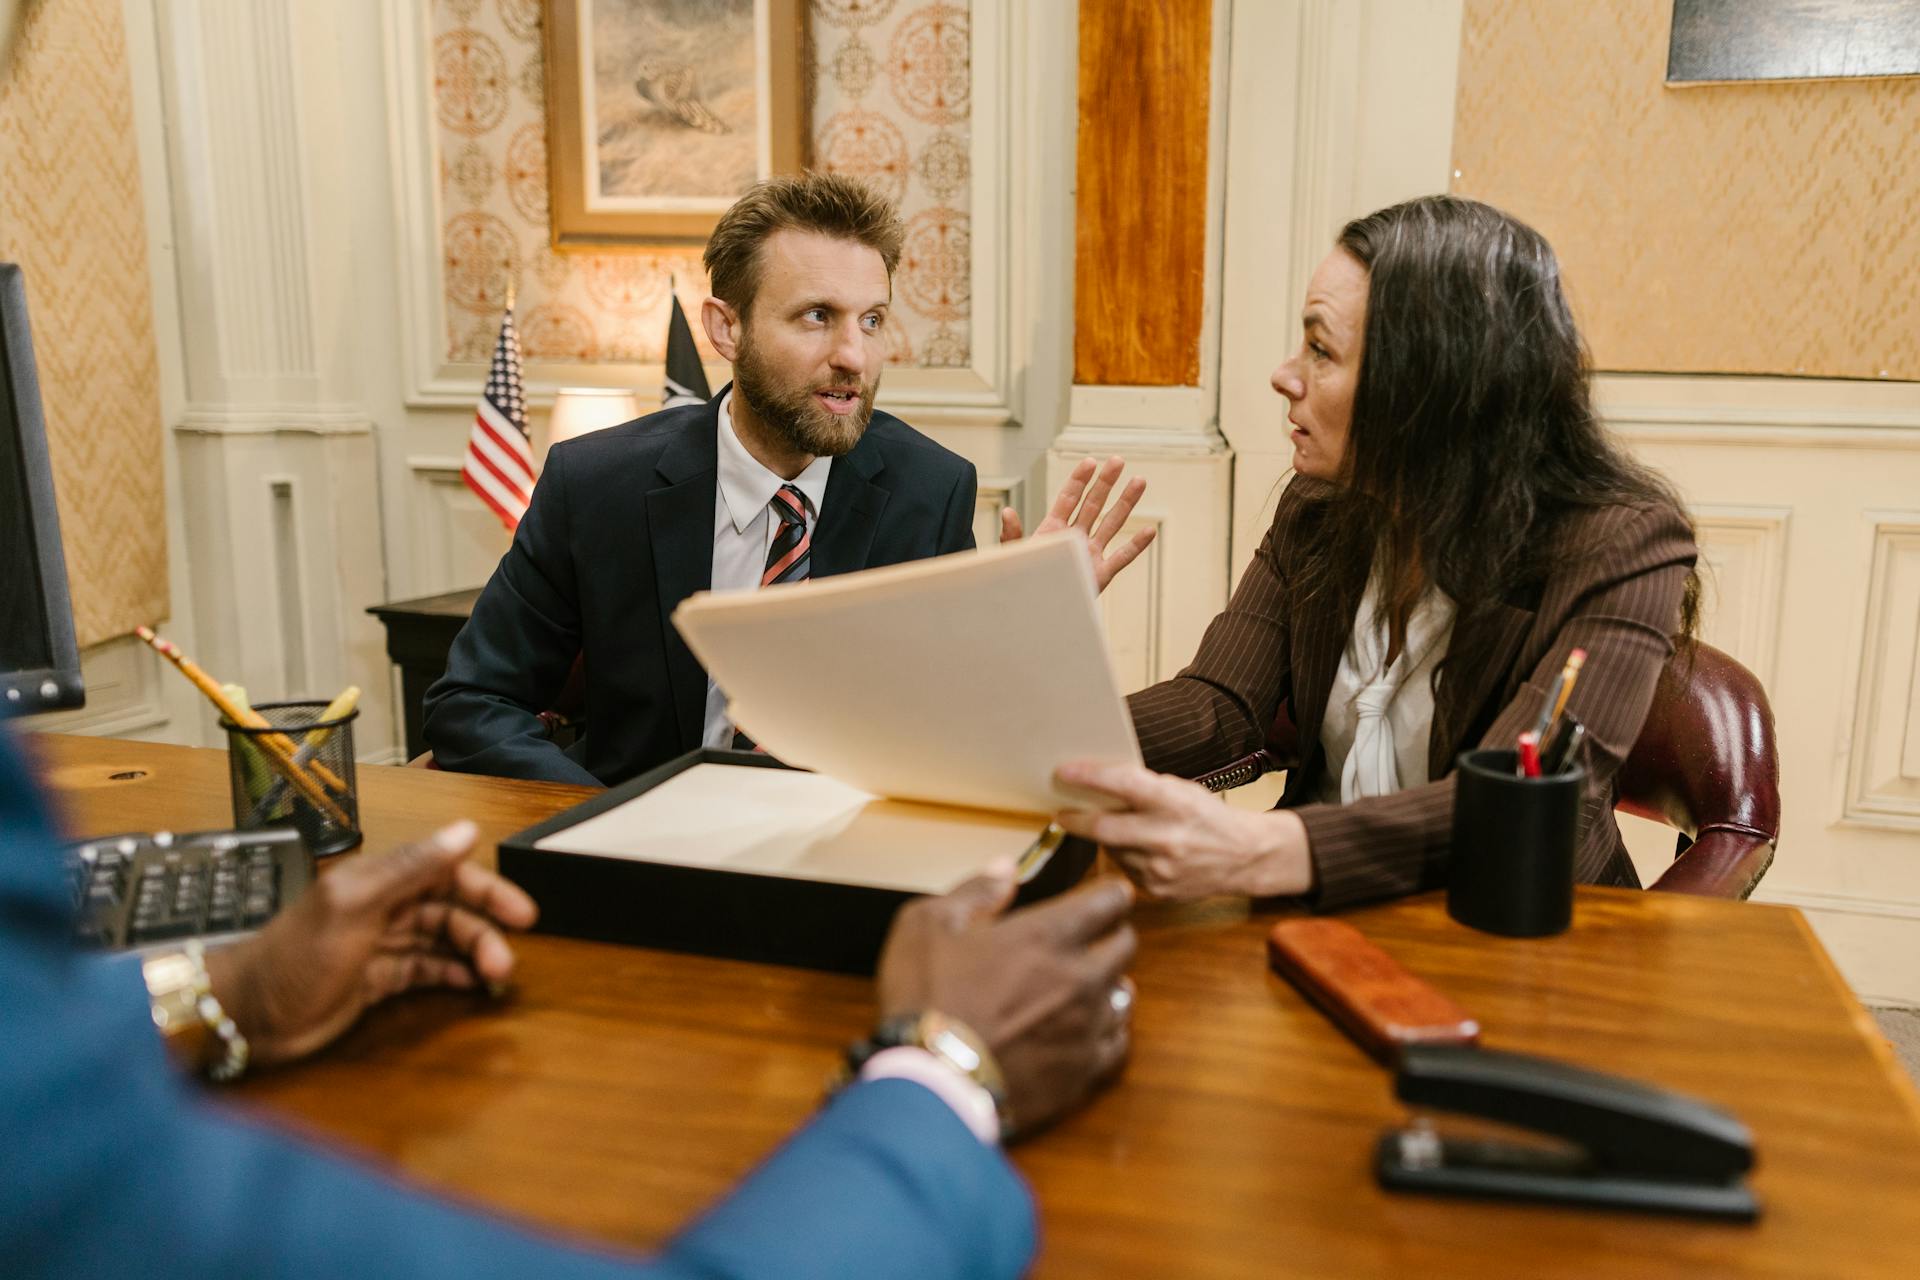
x=117, y=1163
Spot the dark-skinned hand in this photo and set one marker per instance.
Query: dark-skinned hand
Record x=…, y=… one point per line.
x=372, y=927
x=1038, y=984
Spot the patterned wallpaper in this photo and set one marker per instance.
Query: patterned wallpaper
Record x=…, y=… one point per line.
x=1762, y=229
x=891, y=83
x=72, y=216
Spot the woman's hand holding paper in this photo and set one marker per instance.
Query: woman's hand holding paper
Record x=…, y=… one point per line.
x=1175, y=839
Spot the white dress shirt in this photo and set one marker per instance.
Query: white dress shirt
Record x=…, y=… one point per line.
x=743, y=529
x=1379, y=717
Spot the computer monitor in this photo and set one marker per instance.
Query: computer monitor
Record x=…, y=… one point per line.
x=39, y=661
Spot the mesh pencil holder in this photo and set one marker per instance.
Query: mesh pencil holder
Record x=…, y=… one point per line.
x=298, y=772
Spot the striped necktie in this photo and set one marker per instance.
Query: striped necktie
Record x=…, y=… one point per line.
x=789, y=556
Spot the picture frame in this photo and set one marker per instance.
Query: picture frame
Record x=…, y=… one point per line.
x=1713, y=42
x=660, y=113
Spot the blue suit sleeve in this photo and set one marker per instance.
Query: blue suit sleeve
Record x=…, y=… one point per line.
x=510, y=660
x=117, y=1165
x=933, y=1200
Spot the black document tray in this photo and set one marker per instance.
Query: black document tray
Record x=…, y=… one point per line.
x=720, y=911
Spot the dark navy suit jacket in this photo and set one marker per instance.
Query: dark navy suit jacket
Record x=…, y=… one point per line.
x=117, y=1165
x=619, y=532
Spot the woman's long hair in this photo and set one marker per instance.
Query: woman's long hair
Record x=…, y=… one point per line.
x=1473, y=430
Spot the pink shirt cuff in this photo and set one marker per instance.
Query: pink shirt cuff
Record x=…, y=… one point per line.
x=972, y=1103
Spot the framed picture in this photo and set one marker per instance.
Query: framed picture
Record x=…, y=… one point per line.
x=660, y=113
x=1730, y=41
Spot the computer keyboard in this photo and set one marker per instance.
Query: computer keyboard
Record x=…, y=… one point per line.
x=147, y=888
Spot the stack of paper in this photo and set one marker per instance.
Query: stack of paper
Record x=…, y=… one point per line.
x=934, y=701
x=964, y=680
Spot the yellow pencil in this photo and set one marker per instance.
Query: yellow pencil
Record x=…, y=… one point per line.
x=1556, y=700
x=1575, y=660
x=279, y=751
x=339, y=708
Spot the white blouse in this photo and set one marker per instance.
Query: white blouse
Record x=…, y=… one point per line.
x=1379, y=718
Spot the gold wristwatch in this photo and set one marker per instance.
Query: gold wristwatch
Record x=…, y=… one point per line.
x=188, y=1014
x=948, y=1039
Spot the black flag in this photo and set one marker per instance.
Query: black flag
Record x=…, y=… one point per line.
x=686, y=380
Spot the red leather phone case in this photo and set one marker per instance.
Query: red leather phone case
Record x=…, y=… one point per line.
x=1364, y=990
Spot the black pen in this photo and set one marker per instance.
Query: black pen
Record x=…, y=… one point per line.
x=1565, y=751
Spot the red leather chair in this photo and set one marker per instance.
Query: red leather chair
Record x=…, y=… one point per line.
x=1706, y=763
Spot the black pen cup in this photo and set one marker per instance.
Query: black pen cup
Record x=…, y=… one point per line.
x=1511, y=870
x=298, y=772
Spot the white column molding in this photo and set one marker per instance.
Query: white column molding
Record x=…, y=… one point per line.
x=995, y=494
x=279, y=481
x=1158, y=608
x=1170, y=437
x=455, y=539
x=1335, y=109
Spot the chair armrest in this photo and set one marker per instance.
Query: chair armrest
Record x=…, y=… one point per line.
x=1240, y=772
x=1723, y=862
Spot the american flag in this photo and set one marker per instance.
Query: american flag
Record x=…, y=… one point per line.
x=499, y=465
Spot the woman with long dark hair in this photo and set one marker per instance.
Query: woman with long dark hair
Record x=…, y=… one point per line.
x=1458, y=523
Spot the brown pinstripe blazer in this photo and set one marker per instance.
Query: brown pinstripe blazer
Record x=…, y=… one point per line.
x=1619, y=600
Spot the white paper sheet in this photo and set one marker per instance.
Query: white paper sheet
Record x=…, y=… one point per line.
x=964, y=680
x=803, y=825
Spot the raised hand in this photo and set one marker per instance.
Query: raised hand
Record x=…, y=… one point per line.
x=1078, y=506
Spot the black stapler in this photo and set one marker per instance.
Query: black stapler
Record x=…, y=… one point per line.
x=1623, y=1145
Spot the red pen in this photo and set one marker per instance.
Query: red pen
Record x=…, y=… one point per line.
x=1529, y=754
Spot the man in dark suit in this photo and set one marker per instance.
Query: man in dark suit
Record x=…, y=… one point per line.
x=787, y=473
x=118, y=1165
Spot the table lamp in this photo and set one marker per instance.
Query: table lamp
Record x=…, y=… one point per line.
x=578, y=410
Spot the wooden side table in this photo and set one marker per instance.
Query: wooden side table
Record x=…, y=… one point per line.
x=419, y=636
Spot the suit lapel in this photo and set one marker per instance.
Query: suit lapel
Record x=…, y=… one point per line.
x=1479, y=659
x=680, y=529
x=850, y=512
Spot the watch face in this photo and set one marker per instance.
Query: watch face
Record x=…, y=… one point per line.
x=175, y=982
x=941, y=1037
x=168, y=973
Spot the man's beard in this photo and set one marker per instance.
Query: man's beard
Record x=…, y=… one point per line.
x=791, y=412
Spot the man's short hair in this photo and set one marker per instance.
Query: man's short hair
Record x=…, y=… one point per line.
x=827, y=203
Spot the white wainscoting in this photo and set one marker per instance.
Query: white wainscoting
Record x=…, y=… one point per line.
x=126, y=685
x=1883, y=786
x=457, y=540
x=1804, y=493
x=1743, y=554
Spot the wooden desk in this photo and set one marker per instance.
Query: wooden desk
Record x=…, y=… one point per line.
x=623, y=1089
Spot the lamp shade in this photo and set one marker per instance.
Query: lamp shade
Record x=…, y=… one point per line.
x=578, y=410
